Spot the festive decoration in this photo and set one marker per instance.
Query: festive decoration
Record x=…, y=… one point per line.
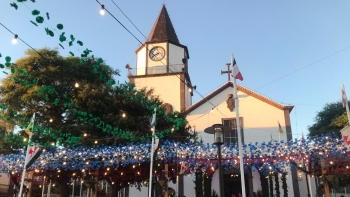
x=14, y=5
x=59, y=26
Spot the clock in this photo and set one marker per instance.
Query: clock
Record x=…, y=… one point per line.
x=156, y=53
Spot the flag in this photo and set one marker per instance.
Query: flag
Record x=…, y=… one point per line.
x=343, y=96
x=235, y=71
x=32, y=154
x=152, y=120
x=280, y=128
x=155, y=143
x=302, y=136
x=183, y=168
x=30, y=125
x=33, y=151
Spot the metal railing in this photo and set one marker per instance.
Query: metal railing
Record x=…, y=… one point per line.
x=158, y=69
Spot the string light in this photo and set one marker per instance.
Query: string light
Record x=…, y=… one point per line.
x=123, y=115
x=76, y=85
x=102, y=11
x=15, y=39
x=51, y=120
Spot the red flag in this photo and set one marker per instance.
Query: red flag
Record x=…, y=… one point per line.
x=183, y=168
x=236, y=73
x=343, y=95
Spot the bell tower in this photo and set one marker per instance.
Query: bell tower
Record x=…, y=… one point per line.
x=162, y=64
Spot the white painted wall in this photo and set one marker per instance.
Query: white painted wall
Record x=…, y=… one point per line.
x=141, y=62
x=166, y=87
x=176, y=54
x=259, y=122
x=188, y=97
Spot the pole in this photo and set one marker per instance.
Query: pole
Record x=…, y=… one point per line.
x=106, y=187
x=241, y=164
x=81, y=187
x=308, y=183
x=151, y=164
x=49, y=189
x=222, y=194
x=24, y=168
x=43, y=190
x=73, y=188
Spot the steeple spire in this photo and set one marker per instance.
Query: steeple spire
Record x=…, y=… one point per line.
x=163, y=29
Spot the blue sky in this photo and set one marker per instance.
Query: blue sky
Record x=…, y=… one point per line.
x=294, y=52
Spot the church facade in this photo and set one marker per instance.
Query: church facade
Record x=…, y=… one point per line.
x=162, y=64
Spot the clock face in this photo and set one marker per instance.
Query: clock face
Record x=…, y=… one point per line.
x=157, y=53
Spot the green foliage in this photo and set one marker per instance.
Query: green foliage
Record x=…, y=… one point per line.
x=331, y=118
x=198, y=183
x=270, y=185
x=214, y=194
x=207, y=185
x=277, y=185
x=264, y=185
x=66, y=114
x=284, y=185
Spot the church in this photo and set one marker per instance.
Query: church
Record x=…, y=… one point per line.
x=162, y=62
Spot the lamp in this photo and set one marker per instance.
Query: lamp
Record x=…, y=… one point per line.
x=102, y=11
x=191, y=88
x=219, y=131
x=14, y=40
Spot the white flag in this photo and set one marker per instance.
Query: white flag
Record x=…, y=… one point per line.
x=183, y=168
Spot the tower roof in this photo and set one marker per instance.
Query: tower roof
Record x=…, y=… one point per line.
x=163, y=29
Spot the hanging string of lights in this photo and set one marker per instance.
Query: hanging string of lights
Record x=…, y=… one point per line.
x=190, y=87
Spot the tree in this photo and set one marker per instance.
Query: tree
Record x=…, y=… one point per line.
x=332, y=118
x=78, y=102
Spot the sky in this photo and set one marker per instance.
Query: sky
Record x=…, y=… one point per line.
x=294, y=52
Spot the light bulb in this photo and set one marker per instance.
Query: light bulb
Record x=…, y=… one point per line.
x=102, y=11
x=14, y=40
x=51, y=119
x=123, y=115
x=96, y=142
x=189, y=89
x=76, y=85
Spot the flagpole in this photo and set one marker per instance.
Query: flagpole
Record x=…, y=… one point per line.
x=73, y=188
x=24, y=167
x=241, y=164
x=43, y=190
x=49, y=189
x=151, y=163
x=81, y=187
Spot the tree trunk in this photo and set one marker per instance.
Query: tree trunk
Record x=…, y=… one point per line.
x=96, y=182
x=63, y=182
x=115, y=189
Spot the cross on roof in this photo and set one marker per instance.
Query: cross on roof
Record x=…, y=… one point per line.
x=228, y=71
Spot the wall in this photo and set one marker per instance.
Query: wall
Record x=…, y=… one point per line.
x=166, y=86
x=259, y=122
x=141, y=62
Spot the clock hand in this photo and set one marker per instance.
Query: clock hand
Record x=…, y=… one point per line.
x=154, y=54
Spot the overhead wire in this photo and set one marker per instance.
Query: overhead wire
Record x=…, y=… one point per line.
x=48, y=24
x=153, y=46
x=304, y=67
x=22, y=40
